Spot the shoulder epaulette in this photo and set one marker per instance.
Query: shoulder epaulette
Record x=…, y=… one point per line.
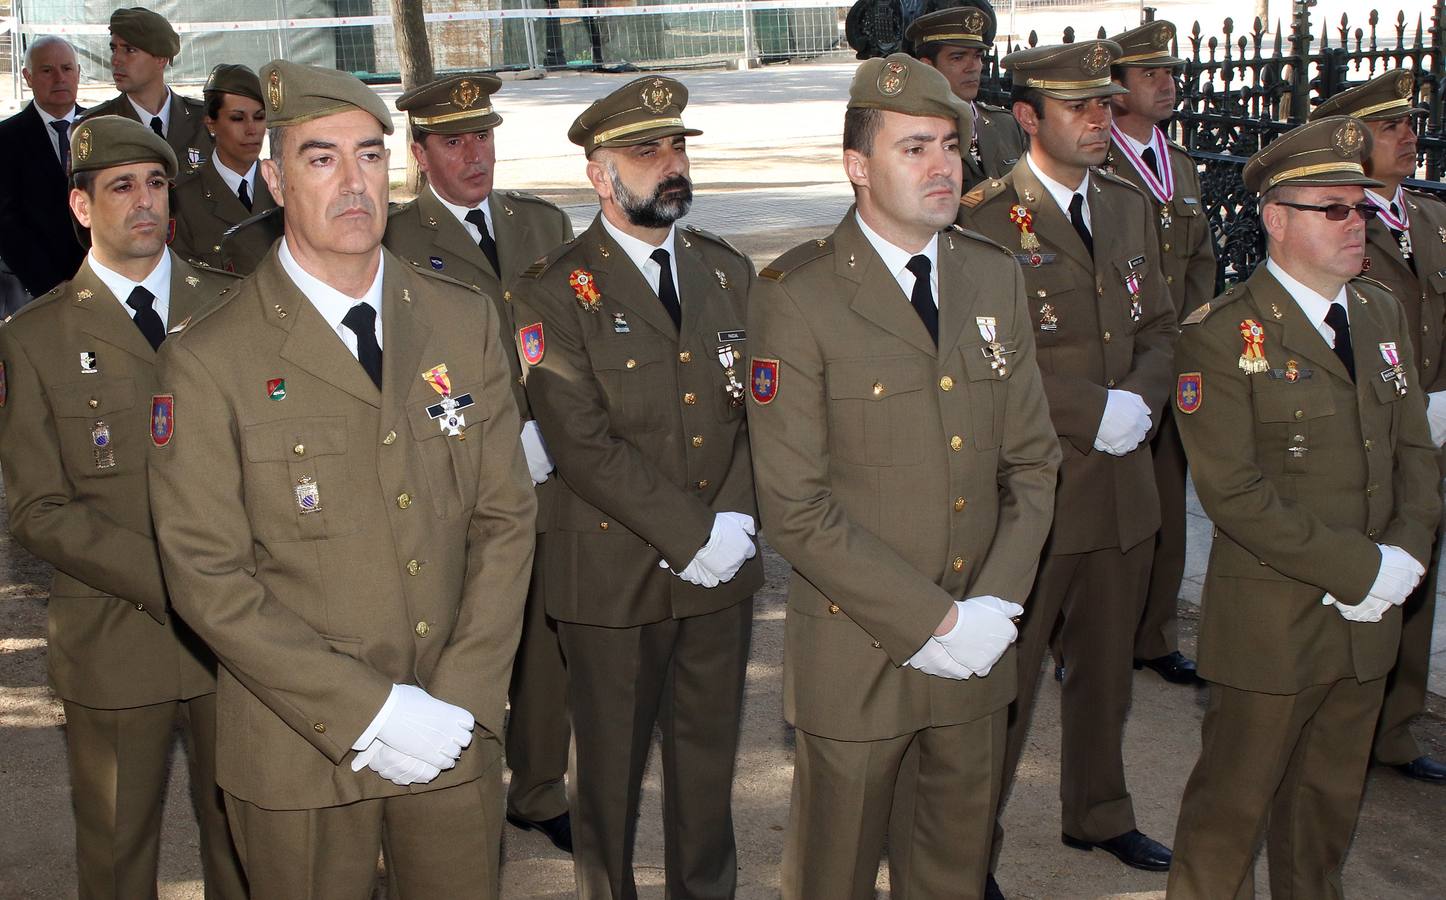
x=1117, y=179
x=796, y=258
x=397, y=208
x=992, y=108
x=1204, y=310
x=973, y=198
x=545, y=262
x=530, y=198
x=974, y=235
x=444, y=278
x=246, y=223
x=717, y=239
x=203, y=266
x=1373, y=283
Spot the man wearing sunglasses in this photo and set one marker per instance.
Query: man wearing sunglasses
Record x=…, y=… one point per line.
x=1405, y=251
x=1305, y=427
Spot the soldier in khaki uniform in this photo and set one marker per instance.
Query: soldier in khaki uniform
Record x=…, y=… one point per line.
x=228, y=189
x=142, y=46
x=1307, y=436
x=1142, y=155
x=1104, y=325
x=460, y=226
x=955, y=41
x=1405, y=252
x=76, y=367
x=345, y=516
x=906, y=468
x=635, y=347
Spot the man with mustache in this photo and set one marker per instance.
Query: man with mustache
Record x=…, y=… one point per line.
x=76, y=367
x=634, y=344
x=345, y=515
x=460, y=226
x=1103, y=322
x=1406, y=252
x=1306, y=429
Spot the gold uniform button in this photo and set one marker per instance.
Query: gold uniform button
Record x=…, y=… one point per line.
x=878, y=389
x=697, y=440
x=1108, y=337
x=960, y=503
x=602, y=526
x=1370, y=490
x=878, y=646
x=1369, y=443
x=1110, y=383
x=1099, y=290
x=1425, y=326
x=690, y=398
x=631, y=364
x=685, y=357
x=946, y=383
x=140, y=607
x=423, y=628
x=1167, y=248
x=413, y=567
x=702, y=484
x=319, y=728
x=299, y=449
x=507, y=295
x=956, y=443
x=958, y=564
x=1300, y=414
x=390, y=439
x=1372, y=533
x=833, y=609
x=1299, y=437
x=404, y=500
x=94, y=403
x=1169, y=279
x=1041, y=293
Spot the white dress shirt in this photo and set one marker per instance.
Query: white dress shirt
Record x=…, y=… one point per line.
x=330, y=302
x=1314, y=305
x=1062, y=194
x=896, y=260
x=233, y=180
x=50, y=132
x=158, y=282
x=640, y=252
x=461, y=213
x=146, y=115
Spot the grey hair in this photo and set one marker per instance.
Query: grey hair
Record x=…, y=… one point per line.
x=46, y=40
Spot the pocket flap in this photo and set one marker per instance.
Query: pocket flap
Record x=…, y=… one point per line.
x=873, y=379
x=622, y=354
x=280, y=440
x=88, y=400
x=1293, y=404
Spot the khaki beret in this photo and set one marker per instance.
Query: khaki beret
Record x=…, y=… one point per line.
x=227, y=78
x=1384, y=97
x=1076, y=71
x=460, y=104
x=642, y=110
x=1326, y=151
x=899, y=83
x=958, y=26
x=147, y=30
x=297, y=93
x=1148, y=46
x=108, y=141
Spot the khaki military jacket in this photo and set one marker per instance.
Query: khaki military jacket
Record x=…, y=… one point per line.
x=894, y=476
x=649, y=444
x=75, y=403
x=1187, y=249
x=1089, y=339
x=205, y=209
x=1421, y=291
x=329, y=540
x=1303, y=472
x=186, y=133
x=1000, y=141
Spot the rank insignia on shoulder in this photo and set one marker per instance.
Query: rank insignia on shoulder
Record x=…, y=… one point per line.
x=763, y=380
x=1197, y=315
x=163, y=418
x=89, y=365
x=1189, y=392
x=530, y=339
x=179, y=326
x=276, y=389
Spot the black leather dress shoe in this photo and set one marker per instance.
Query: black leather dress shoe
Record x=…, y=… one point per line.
x=1174, y=667
x=557, y=829
x=991, y=889
x=1131, y=848
x=1423, y=768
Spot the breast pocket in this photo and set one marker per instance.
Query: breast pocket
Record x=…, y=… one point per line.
x=296, y=480
x=988, y=387
x=874, y=407
x=448, y=461
x=636, y=380
x=97, y=423
x=1290, y=425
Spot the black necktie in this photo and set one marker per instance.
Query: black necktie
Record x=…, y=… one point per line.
x=484, y=240
x=1149, y=157
x=1076, y=218
x=666, y=292
x=362, y=320
x=244, y=195
x=146, y=318
x=157, y=126
x=922, y=296
x=1336, y=319
x=62, y=130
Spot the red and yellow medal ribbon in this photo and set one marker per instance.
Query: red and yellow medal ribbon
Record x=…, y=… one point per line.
x=438, y=378
x=583, y=284
x=1021, y=216
x=1252, y=357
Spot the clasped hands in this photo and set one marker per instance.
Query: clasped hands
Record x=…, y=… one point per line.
x=729, y=546
x=414, y=737
x=1395, y=580
x=983, y=630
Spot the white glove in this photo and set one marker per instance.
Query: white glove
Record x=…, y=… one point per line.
x=1436, y=415
x=539, y=461
x=423, y=727
x=394, y=766
x=1125, y=423
x=729, y=546
x=1368, y=610
x=982, y=633
x=933, y=659
x=1398, y=576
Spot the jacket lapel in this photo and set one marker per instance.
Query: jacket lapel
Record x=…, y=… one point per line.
x=696, y=287
x=227, y=206
x=48, y=163
x=879, y=297
x=449, y=234
x=106, y=318
x=187, y=296
x=1050, y=224
x=1298, y=336
x=1384, y=249
x=957, y=292
x=406, y=334
x=621, y=283
x=511, y=235
x=310, y=342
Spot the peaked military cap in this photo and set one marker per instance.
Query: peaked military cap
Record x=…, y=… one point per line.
x=107, y=141
x=1326, y=151
x=146, y=29
x=958, y=26
x=1148, y=46
x=899, y=83
x=459, y=104
x=1076, y=71
x=297, y=93
x=1384, y=97
x=642, y=110
x=228, y=78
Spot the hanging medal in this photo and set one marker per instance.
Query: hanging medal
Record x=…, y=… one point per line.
x=728, y=359
x=1162, y=188
x=974, y=138
x=1395, y=373
x=1028, y=240
x=1252, y=357
x=448, y=413
x=1400, y=226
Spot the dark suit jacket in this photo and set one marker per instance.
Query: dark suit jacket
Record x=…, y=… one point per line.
x=37, y=240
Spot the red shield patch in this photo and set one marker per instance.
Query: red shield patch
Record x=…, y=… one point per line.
x=163, y=419
x=1189, y=392
x=530, y=340
x=763, y=381
x=170, y=231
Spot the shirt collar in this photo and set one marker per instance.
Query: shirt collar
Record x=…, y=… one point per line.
x=145, y=115
x=461, y=211
x=330, y=302
x=1398, y=198
x=1062, y=195
x=1314, y=305
x=47, y=118
x=640, y=252
x=1135, y=145
x=897, y=258
x=233, y=179
x=158, y=282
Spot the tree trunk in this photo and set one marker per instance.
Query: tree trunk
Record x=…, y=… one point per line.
x=414, y=54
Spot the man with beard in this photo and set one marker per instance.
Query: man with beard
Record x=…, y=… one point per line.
x=461, y=227
x=634, y=343
x=75, y=368
x=350, y=529
x=1104, y=325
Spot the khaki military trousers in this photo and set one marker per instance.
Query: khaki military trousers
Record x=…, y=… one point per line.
x=931, y=794
x=1406, y=684
x=1294, y=761
x=118, y=767
x=686, y=675
x=538, y=733
x=1158, y=632
x=441, y=843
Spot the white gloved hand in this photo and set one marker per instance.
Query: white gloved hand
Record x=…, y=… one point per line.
x=1436, y=415
x=1370, y=609
x=539, y=461
x=425, y=728
x=933, y=659
x=694, y=573
x=1398, y=576
x=982, y=633
x=1125, y=423
x=729, y=546
x=394, y=766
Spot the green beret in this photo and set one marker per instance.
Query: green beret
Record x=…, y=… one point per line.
x=1384, y=97
x=147, y=30
x=1076, y=71
x=1148, y=46
x=459, y=104
x=297, y=93
x=1326, y=151
x=958, y=26
x=640, y=111
x=105, y=142
x=227, y=78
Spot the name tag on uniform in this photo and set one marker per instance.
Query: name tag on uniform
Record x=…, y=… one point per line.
x=726, y=336
x=1137, y=262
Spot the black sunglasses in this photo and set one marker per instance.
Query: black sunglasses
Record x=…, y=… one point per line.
x=1338, y=212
